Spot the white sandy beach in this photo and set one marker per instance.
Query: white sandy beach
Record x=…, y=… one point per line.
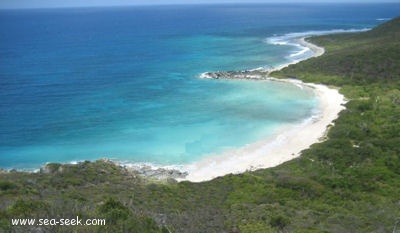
x=287, y=143
x=318, y=51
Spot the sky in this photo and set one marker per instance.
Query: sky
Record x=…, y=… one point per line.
x=83, y=3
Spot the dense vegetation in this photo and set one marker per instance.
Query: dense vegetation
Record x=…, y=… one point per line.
x=348, y=183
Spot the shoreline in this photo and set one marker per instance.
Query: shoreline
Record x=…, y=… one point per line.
x=287, y=143
x=317, y=51
x=263, y=73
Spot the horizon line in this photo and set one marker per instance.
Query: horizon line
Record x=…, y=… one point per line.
x=195, y=4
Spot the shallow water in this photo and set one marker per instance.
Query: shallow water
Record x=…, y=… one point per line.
x=82, y=84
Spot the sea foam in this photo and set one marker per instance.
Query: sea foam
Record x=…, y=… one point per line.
x=299, y=51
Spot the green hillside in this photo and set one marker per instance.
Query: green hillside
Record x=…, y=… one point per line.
x=348, y=183
x=354, y=59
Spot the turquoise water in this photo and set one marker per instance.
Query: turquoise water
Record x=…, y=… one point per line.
x=122, y=83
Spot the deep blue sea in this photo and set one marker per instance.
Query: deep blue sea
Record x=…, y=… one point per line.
x=122, y=82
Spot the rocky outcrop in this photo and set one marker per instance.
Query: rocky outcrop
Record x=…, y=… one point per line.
x=149, y=171
x=51, y=168
x=157, y=173
x=142, y=170
x=246, y=74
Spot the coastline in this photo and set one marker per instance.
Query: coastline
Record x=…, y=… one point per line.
x=262, y=73
x=287, y=143
x=317, y=51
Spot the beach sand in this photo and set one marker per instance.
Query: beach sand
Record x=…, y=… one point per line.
x=317, y=51
x=287, y=143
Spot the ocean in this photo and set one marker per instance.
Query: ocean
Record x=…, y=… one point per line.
x=123, y=82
